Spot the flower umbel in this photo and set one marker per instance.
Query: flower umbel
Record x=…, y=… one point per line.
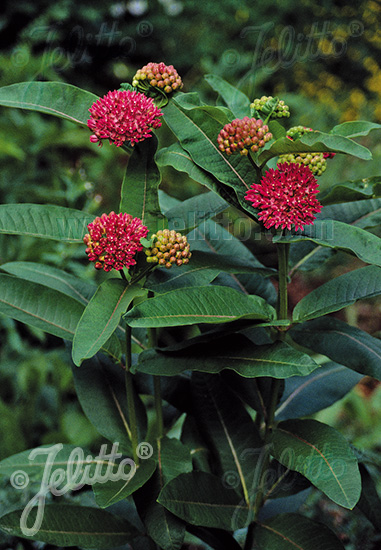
x=158, y=75
x=286, y=197
x=263, y=105
x=240, y=135
x=121, y=116
x=113, y=240
x=168, y=248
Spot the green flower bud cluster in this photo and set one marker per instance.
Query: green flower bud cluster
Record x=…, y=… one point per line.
x=168, y=248
x=264, y=105
x=157, y=75
x=315, y=161
x=240, y=135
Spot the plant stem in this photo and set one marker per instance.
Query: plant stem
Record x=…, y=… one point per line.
x=282, y=309
x=152, y=339
x=130, y=397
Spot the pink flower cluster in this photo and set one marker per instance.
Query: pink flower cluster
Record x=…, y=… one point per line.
x=240, y=135
x=286, y=197
x=113, y=240
x=122, y=116
x=158, y=75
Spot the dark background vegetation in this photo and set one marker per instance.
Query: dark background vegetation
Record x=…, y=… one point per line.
x=321, y=57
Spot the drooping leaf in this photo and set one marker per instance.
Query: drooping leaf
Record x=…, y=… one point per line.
x=188, y=275
x=236, y=101
x=190, y=213
x=100, y=387
x=293, y=531
x=101, y=317
x=322, y=455
x=206, y=304
x=71, y=525
x=370, y=502
x=44, y=221
x=52, y=277
x=338, y=293
x=348, y=191
x=202, y=499
x=139, y=194
x=235, y=352
x=335, y=234
x=342, y=343
x=306, y=395
x=54, y=98
x=355, y=128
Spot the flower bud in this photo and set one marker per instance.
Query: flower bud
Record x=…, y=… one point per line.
x=168, y=248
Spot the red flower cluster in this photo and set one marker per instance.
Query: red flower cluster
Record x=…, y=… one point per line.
x=123, y=116
x=113, y=240
x=243, y=134
x=158, y=75
x=286, y=197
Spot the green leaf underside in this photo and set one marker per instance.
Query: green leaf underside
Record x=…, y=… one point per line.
x=206, y=304
x=355, y=128
x=335, y=234
x=294, y=532
x=339, y=293
x=71, y=525
x=366, y=188
x=139, y=193
x=52, y=277
x=233, y=352
x=44, y=221
x=201, y=499
x=237, y=101
x=342, y=343
x=322, y=455
x=54, y=98
x=101, y=317
x=111, y=492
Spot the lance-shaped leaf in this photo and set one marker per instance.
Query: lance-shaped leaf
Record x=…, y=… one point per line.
x=52, y=277
x=71, y=525
x=335, y=234
x=342, y=343
x=370, y=502
x=236, y=101
x=139, y=194
x=235, y=352
x=54, y=98
x=348, y=191
x=306, y=395
x=163, y=527
x=322, y=455
x=100, y=388
x=188, y=275
x=192, y=212
x=234, y=440
x=44, y=221
x=101, y=317
x=315, y=142
x=293, y=531
x=205, y=304
x=202, y=499
x=338, y=293
x=355, y=128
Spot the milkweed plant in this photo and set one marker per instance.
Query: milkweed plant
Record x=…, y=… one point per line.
x=187, y=356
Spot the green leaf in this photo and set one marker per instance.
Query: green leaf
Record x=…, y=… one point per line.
x=233, y=438
x=187, y=275
x=101, y=317
x=237, y=101
x=72, y=525
x=139, y=195
x=335, y=234
x=365, y=188
x=45, y=221
x=192, y=212
x=355, y=128
x=338, y=293
x=110, y=492
x=205, y=304
x=100, y=387
x=200, y=498
x=342, y=343
x=235, y=352
x=370, y=502
x=229, y=263
x=293, y=531
x=315, y=142
x=54, y=98
x=52, y=277
x=322, y=455
x=306, y=395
